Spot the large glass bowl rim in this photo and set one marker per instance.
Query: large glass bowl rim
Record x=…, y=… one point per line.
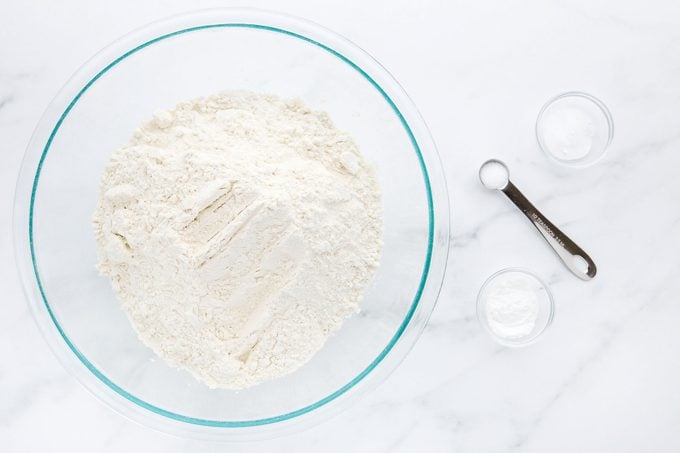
x=268, y=420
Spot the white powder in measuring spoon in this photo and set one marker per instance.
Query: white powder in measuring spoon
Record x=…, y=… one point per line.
x=239, y=231
x=512, y=305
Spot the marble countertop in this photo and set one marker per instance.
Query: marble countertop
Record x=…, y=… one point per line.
x=604, y=377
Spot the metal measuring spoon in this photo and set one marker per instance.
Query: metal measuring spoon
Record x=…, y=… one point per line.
x=494, y=174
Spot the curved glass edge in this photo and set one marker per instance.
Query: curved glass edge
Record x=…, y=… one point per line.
x=19, y=206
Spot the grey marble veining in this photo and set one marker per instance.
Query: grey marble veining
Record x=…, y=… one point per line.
x=605, y=375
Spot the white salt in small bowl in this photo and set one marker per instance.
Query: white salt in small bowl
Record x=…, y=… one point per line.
x=515, y=307
x=574, y=129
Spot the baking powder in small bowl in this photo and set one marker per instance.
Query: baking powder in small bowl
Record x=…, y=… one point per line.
x=514, y=306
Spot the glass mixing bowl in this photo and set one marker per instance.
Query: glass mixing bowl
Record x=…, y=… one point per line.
x=183, y=58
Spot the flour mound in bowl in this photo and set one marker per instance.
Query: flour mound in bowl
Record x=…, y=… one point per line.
x=239, y=231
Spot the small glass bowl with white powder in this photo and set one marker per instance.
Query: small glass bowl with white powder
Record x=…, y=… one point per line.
x=515, y=307
x=574, y=129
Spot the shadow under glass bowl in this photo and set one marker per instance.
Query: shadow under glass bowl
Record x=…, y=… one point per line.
x=155, y=68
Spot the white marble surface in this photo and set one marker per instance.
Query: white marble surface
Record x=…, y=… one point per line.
x=603, y=378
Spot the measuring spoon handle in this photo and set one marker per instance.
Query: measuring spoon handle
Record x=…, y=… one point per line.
x=573, y=256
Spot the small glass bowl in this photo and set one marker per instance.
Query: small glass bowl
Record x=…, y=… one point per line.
x=574, y=129
x=546, y=309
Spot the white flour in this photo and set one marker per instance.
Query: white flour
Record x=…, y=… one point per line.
x=239, y=231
